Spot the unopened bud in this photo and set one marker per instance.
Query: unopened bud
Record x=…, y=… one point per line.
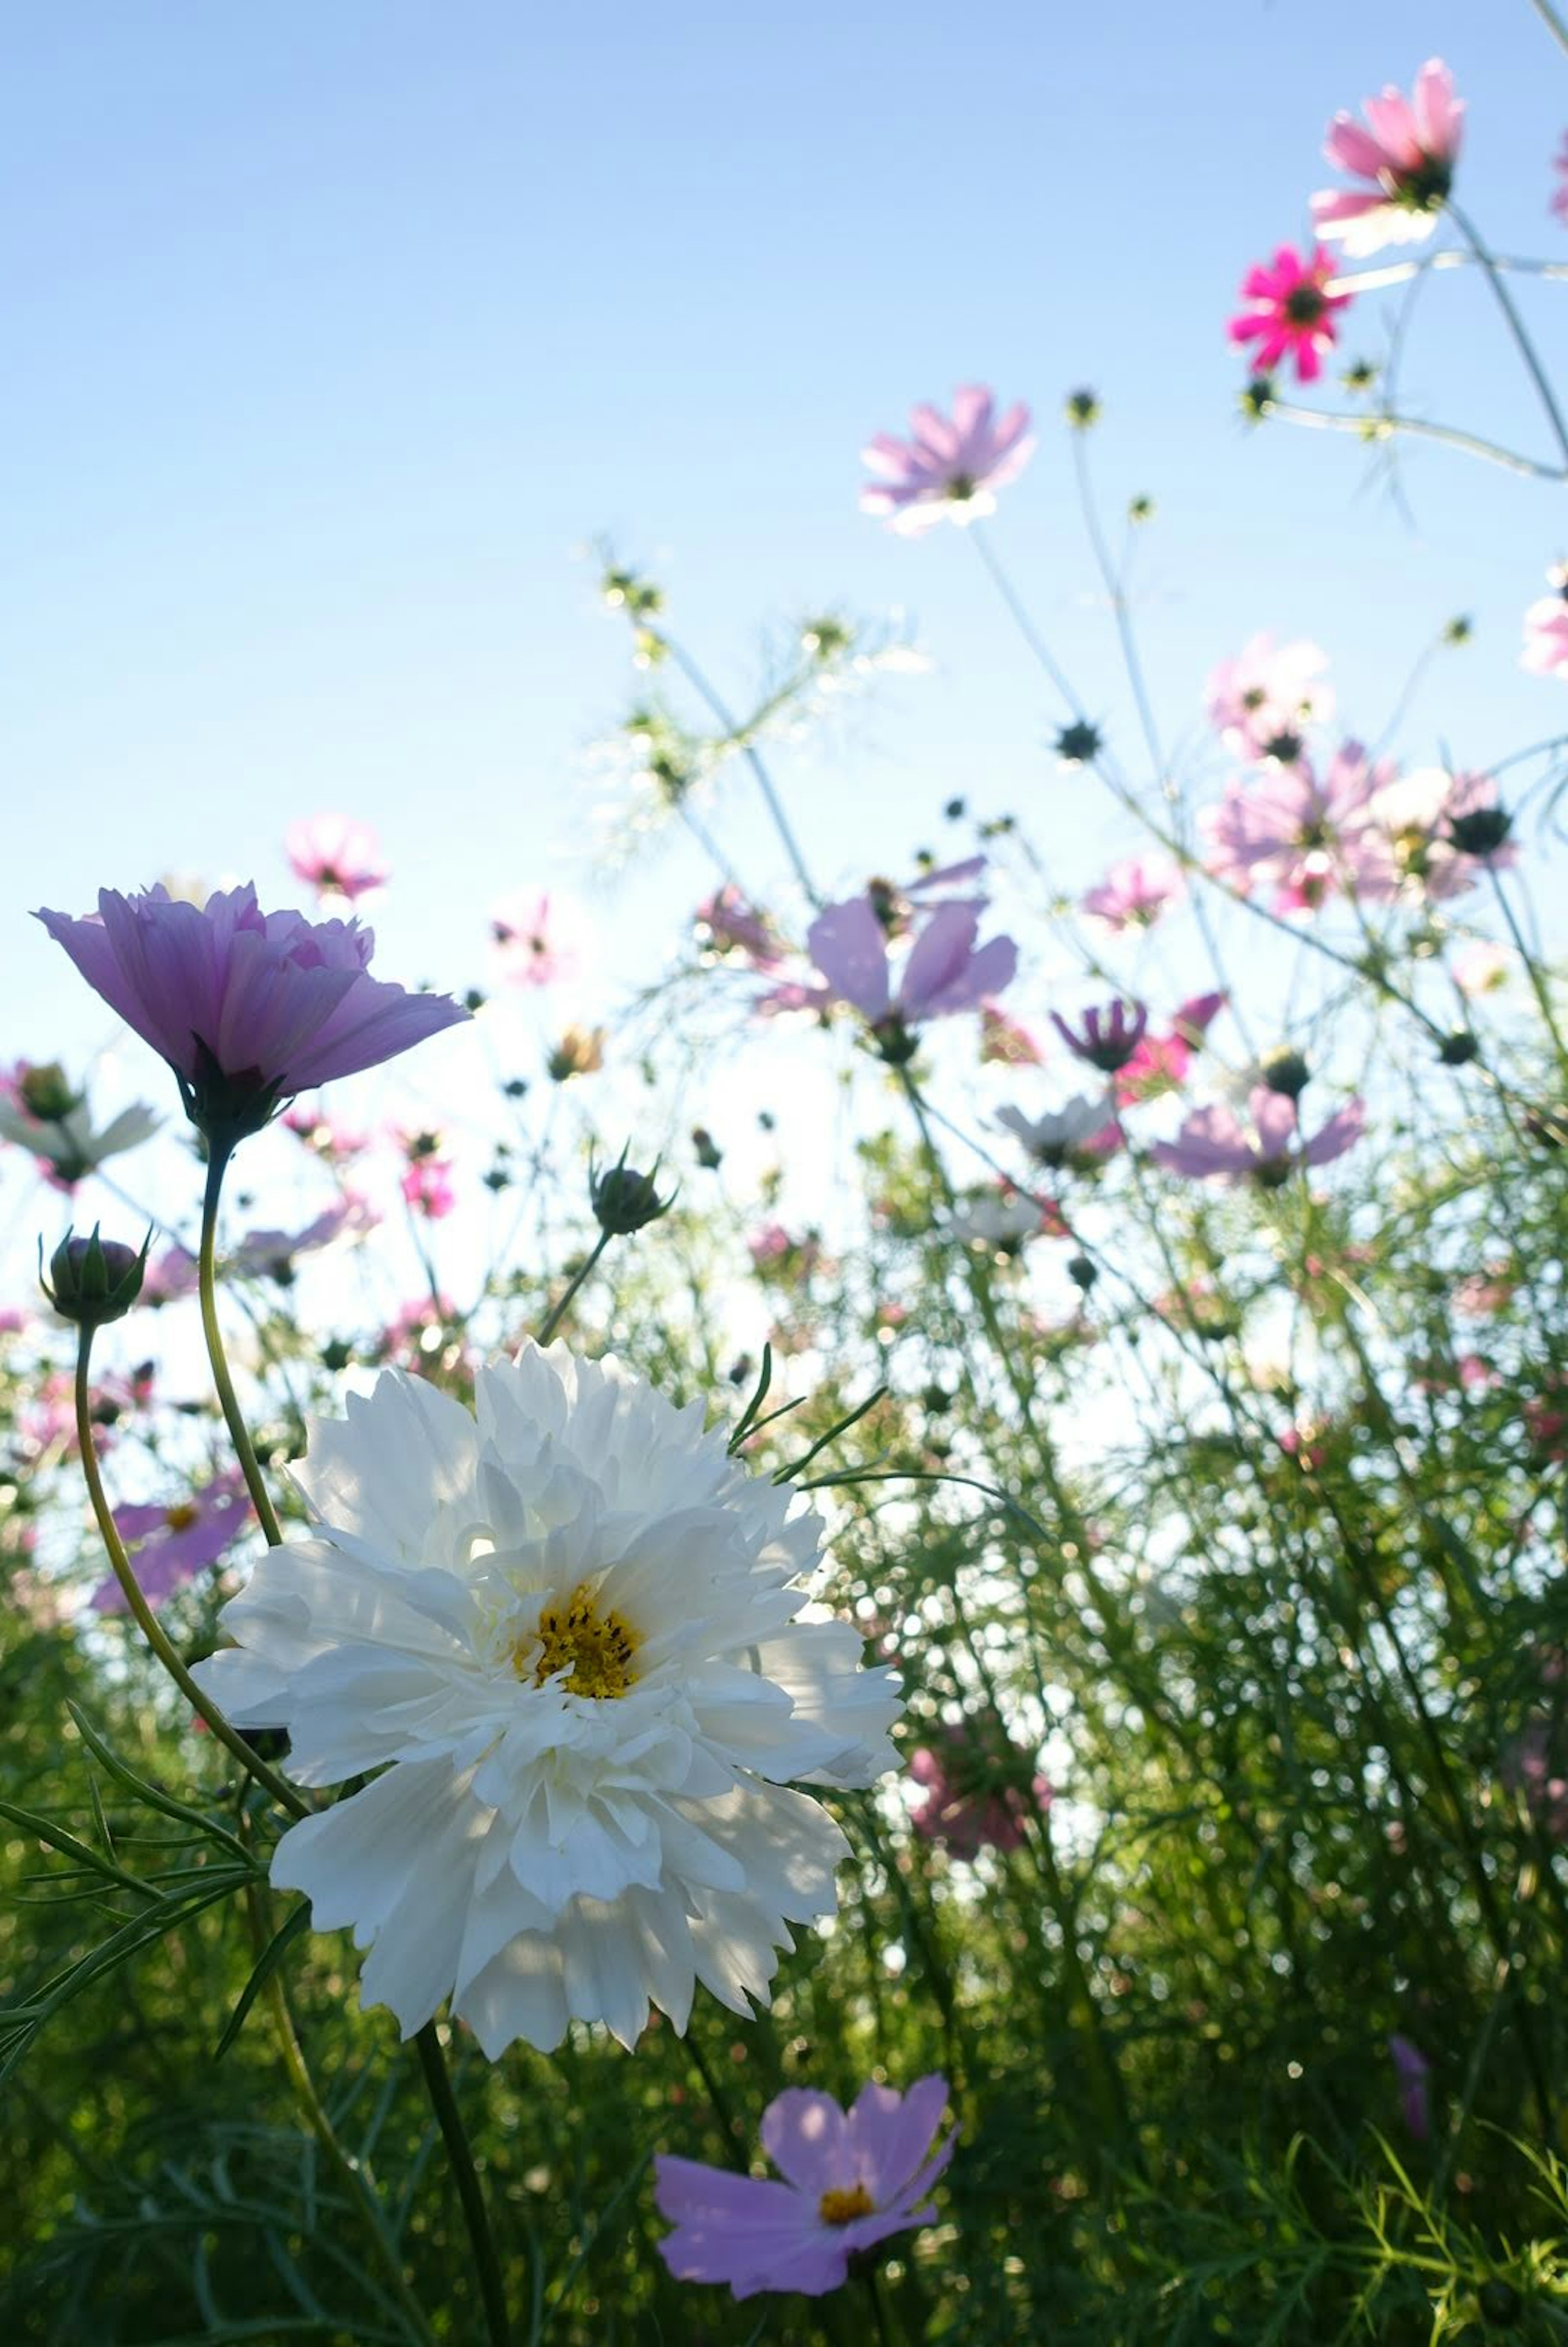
x=1458, y=1049
x=1079, y=742
x=1082, y=409
x=707, y=1149
x=94, y=1280
x=1287, y=1072
x=44, y=1094
x=1082, y=1272
x=1481, y=832
x=624, y=1200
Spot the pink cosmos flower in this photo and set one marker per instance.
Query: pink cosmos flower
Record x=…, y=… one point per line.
x=1431, y=834
x=1134, y=893
x=1412, y=2070
x=171, y=1274
x=1213, y=1145
x=948, y=469
x=1262, y=703
x=1109, y=1037
x=178, y=1543
x=271, y=1254
x=1005, y=1041
x=1406, y=154
x=336, y=1144
x=1559, y=204
x=852, y=2178
x=1481, y=966
x=539, y=937
x=1302, y=836
x=1289, y=312
x=1545, y=650
x=1161, y=1062
x=427, y=1186
x=338, y=856
x=980, y=1790
x=246, y=1006
x=729, y=923
x=944, y=972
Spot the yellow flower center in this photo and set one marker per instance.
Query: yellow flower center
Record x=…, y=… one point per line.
x=596, y=1649
x=841, y=2204
x=181, y=1519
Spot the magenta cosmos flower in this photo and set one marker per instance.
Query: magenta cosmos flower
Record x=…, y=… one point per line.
x=1262, y=701
x=1134, y=893
x=1405, y=153
x=944, y=971
x=338, y=856
x=247, y=1006
x=1213, y=1145
x=1289, y=312
x=950, y=467
x=851, y=2178
x=179, y=1542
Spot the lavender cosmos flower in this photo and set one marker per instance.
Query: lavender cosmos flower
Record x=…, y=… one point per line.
x=852, y=2178
x=1134, y=893
x=1261, y=701
x=1213, y=1145
x=1412, y=2070
x=337, y=856
x=1108, y=1038
x=949, y=468
x=271, y=1254
x=1301, y=835
x=1406, y=154
x=944, y=971
x=178, y=1543
x=247, y=1006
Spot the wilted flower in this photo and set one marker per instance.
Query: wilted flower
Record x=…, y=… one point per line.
x=852, y=2178
x=1289, y=312
x=179, y=1542
x=1134, y=893
x=247, y=1006
x=1262, y=701
x=39, y=1112
x=1109, y=1037
x=339, y=857
x=1212, y=1145
x=981, y=1790
x=944, y=972
x=565, y=1636
x=949, y=468
x=1406, y=152
x=1084, y=1126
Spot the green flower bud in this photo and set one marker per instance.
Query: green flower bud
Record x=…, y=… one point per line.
x=1082, y=409
x=45, y=1094
x=1079, y=742
x=624, y=1200
x=94, y=1280
x=1457, y=1051
x=1285, y=1071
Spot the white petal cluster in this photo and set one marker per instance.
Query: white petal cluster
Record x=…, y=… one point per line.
x=1052, y=1139
x=72, y=1141
x=563, y=1632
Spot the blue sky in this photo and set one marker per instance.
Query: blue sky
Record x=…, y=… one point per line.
x=336, y=335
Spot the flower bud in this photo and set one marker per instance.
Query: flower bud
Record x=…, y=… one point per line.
x=1079, y=742
x=707, y=1151
x=44, y=1094
x=94, y=1280
x=1499, y=2303
x=1457, y=1051
x=1481, y=832
x=1287, y=1072
x=624, y=1200
x=1082, y=409
x=1082, y=1272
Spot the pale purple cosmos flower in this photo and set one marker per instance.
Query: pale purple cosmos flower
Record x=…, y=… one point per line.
x=729, y=923
x=950, y=468
x=1213, y=1145
x=1298, y=834
x=178, y=1543
x=1109, y=1037
x=271, y=1254
x=944, y=972
x=1545, y=650
x=338, y=856
x=1406, y=152
x=1134, y=893
x=1262, y=701
x=1083, y=1127
x=171, y=1274
x=852, y=2178
x=247, y=1006
x=1412, y=2070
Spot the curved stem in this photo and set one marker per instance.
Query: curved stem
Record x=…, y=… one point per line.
x=753, y=757
x=1020, y=618
x=146, y=1620
x=558, y=1312
x=1552, y=22
x=487, y=2266
x=1526, y=348
x=1384, y=427
x=354, y=2179
x=228, y=1401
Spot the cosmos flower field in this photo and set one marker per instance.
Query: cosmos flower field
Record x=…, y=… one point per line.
x=965, y=1741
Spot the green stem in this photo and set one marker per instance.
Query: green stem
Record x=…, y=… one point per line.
x=753, y=757
x=228, y=1401
x=1021, y=620
x=354, y=2179
x=1383, y=426
x=1522, y=343
x=492, y=2288
x=1532, y=971
x=554, y=1318
x=146, y=1620
x=1552, y=22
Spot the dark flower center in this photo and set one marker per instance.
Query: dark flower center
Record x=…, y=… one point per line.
x=1305, y=304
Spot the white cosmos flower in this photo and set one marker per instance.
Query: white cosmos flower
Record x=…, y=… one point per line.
x=1053, y=1138
x=564, y=1634
x=71, y=1143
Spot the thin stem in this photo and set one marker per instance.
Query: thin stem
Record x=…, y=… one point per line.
x=1552, y=22
x=355, y=2181
x=1383, y=426
x=1531, y=966
x=1453, y=256
x=146, y=1620
x=1020, y=618
x=228, y=1401
x=1526, y=348
x=558, y=1312
x=487, y=2266
x=753, y=757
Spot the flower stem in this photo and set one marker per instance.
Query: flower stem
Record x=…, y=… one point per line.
x=238, y=1432
x=487, y=2266
x=1526, y=348
x=146, y=1620
x=1383, y=426
x=557, y=1313
x=1552, y=22
x=753, y=757
x=1021, y=620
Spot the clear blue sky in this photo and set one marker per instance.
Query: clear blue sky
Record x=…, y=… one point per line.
x=334, y=334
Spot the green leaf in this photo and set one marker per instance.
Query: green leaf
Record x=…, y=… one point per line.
x=266, y=1963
